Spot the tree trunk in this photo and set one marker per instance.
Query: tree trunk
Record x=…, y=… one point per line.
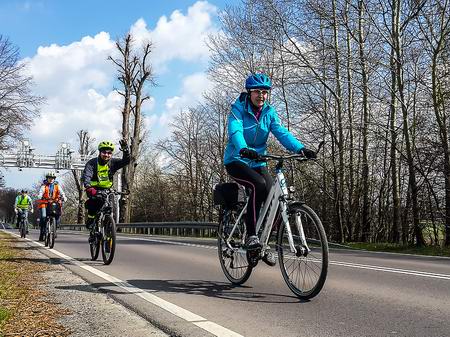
x=366, y=227
x=406, y=132
x=395, y=233
x=339, y=188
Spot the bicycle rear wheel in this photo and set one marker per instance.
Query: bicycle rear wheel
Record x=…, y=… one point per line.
x=109, y=239
x=304, y=272
x=233, y=259
x=51, y=235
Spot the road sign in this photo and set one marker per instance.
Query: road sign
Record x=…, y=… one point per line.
x=26, y=158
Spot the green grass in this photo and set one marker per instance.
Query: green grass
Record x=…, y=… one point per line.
x=4, y=315
x=8, y=277
x=398, y=248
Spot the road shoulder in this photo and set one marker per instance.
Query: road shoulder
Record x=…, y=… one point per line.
x=82, y=309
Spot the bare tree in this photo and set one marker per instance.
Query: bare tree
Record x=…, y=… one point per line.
x=18, y=106
x=134, y=72
x=436, y=31
x=85, y=150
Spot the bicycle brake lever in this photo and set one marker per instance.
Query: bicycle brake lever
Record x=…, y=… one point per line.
x=320, y=146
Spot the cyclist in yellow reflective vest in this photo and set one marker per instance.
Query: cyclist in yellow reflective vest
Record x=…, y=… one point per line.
x=22, y=204
x=98, y=174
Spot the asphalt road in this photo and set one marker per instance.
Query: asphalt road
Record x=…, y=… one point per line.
x=179, y=286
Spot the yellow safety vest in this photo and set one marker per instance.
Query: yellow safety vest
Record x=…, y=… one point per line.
x=23, y=202
x=103, y=180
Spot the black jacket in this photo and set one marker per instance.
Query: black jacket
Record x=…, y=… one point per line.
x=115, y=164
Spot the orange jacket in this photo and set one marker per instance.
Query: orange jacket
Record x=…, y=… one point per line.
x=56, y=195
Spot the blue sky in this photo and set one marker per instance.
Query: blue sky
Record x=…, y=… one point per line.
x=66, y=44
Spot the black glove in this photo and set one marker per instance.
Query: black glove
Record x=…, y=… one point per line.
x=124, y=145
x=310, y=154
x=248, y=153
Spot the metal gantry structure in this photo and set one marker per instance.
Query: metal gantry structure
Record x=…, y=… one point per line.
x=26, y=158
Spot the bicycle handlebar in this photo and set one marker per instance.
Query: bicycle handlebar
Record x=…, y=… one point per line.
x=112, y=191
x=298, y=156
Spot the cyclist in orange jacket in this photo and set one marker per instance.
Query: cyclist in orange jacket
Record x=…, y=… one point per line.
x=50, y=190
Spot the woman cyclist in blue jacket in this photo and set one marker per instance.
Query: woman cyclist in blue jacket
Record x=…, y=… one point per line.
x=251, y=120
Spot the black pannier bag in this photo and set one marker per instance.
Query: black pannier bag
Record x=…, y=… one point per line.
x=52, y=208
x=228, y=195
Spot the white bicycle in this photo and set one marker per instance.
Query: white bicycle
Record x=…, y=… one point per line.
x=289, y=225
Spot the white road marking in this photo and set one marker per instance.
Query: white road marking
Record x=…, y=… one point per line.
x=391, y=270
x=203, y=323
x=336, y=263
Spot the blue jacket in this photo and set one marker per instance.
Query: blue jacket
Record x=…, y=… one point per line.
x=245, y=131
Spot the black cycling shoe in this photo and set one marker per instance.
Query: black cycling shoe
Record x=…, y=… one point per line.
x=269, y=258
x=252, y=242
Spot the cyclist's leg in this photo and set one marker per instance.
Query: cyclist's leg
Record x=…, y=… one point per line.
x=264, y=172
x=19, y=214
x=269, y=255
x=93, y=205
x=256, y=183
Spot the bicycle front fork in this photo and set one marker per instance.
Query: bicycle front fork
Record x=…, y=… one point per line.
x=301, y=233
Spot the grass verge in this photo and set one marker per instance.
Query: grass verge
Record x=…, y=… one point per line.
x=397, y=248
x=25, y=309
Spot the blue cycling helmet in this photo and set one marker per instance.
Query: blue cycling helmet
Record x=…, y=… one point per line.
x=258, y=81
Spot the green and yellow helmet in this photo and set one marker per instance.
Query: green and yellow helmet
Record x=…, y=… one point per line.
x=106, y=145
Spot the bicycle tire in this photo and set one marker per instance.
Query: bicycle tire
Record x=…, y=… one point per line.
x=109, y=239
x=23, y=229
x=47, y=234
x=304, y=274
x=94, y=249
x=234, y=261
x=51, y=235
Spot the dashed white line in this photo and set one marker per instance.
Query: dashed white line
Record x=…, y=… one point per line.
x=336, y=263
x=392, y=270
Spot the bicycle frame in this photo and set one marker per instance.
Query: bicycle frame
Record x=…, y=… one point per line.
x=107, y=208
x=277, y=198
x=23, y=218
x=22, y=214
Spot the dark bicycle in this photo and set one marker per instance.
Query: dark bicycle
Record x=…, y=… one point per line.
x=50, y=223
x=104, y=233
x=23, y=222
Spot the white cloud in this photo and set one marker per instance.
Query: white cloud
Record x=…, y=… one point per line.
x=179, y=36
x=78, y=80
x=193, y=87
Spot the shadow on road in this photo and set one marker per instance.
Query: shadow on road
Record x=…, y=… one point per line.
x=221, y=290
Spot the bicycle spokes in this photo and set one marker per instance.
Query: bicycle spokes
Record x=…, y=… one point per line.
x=305, y=268
x=232, y=256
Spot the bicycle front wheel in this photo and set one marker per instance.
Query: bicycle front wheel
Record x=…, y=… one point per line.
x=94, y=247
x=109, y=239
x=23, y=229
x=233, y=257
x=52, y=233
x=47, y=233
x=306, y=270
